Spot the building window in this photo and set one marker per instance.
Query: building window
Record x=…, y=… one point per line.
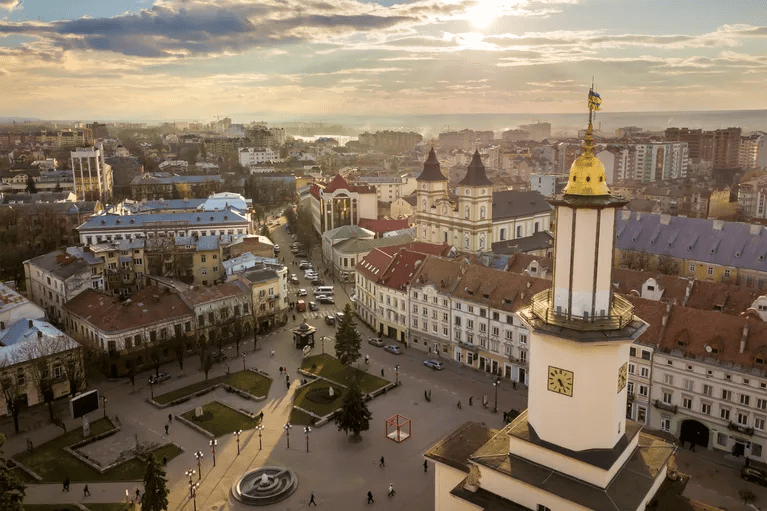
x=743, y=419
x=633, y=352
x=745, y=399
x=708, y=390
x=668, y=379
x=724, y=413
x=667, y=397
x=761, y=403
x=645, y=355
x=632, y=368
x=689, y=385
x=721, y=439
x=705, y=408
x=687, y=402
x=522, y=356
x=203, y=258
x=643, y=390
x=665, y=425
x=692, y=268
x=727, y=273
x=641, y=414
x=710, y=270
x=644, y=372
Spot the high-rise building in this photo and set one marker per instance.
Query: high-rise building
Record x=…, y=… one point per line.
x=721, y=147
x=753, y=153
x=92, y=175
x=537, y=130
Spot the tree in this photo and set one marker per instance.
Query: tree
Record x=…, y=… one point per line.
x=265, y=232
x=202, y=347
x=237, y=335
x=178, y=349
x=31, y=188
x=155, y=497
x=207, y=365
x=12, y=392
x=12, y=491
x=348, y=339
x=354, y=415
x=132, y=372
x=75, y=372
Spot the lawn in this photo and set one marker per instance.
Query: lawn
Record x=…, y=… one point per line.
x=51, y=463
x=122, y=506
x=329, y=367
x=22, y=476
x=220, y=420
x=248, y=381
x=53, y=507
x=299, y=418
x=313, y=397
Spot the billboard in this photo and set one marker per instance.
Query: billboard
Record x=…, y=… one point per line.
x=86, y=402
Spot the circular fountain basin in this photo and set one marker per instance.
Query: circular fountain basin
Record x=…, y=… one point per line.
x=264, y=486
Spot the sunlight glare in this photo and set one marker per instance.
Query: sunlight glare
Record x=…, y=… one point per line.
x=483, y=13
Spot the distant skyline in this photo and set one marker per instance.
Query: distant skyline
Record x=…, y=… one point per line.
x=198, y=59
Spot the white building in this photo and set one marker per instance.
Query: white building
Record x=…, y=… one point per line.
x=92, y=176
x=753, y=153
x=250, y=156
x=338, y=203
x=390, y=188
x=645, y=162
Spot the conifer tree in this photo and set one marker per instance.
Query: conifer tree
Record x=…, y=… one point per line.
x=348, y=339
x=155, y=497
x=354, y=415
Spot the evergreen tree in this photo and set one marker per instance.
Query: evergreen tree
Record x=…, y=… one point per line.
x=31, y=187
x=12, y=491
x=348, y=339
x=155, y=497
x=265, y=232
x=354, y=415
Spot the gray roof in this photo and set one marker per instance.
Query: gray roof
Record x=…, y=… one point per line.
x=515, y=204
x=20, y=342
x=207, y=243
x=191, y=219
x=357, y=246
x=62, y=269
x=150, y=179
x=347, y=231
x=261, y=275
x=540, y=240
x=733, y=244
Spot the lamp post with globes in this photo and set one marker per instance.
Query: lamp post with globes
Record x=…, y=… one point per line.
x=190, y=474
x=307, y=430
x=213, y=444
x=259, y=428
x=396, y=375
x=496, y=384
x=194, y=494
x=105, y=405
x=199, y=455
x=243, y=361
x=237, y=434
x=287, y=433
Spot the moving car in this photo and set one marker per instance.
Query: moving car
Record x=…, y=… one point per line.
x=313, y=306
x=376, y=341
x=159, y=378
x=304, y=265
x=324, y=299
x=434, y=364
x=302, y=292
x=301, y=306
x=294, y=279
x=330, y=319
x=218, y=357
x=391, y=348
x=340, y=316
x=317, y=282
x=754, y=475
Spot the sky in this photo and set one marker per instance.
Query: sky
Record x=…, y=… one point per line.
x=198, y=59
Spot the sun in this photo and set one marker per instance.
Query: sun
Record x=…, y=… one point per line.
x=483, y=13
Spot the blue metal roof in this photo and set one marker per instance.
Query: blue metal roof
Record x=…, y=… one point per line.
x=192, y=219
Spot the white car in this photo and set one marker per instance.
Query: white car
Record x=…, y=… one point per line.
x=302, y=292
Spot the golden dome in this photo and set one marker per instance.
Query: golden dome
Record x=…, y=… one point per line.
x=587, y=175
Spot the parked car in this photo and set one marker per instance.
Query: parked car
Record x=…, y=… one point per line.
x=325, y=299
x=300, y=253
x=754, y=475
x=159, y=378
x=392, y=348
x=376, y=341
x=302, y=292
x=318, y=282
x=434, y=364
x=294, y=280
x=218, y=357
x=276, y=249
x=340, y=316
x=330, y=319
x=304, y=265
x=313, y=306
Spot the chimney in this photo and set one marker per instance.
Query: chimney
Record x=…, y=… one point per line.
x=2, y=325
x=39, y=334
x=755, y=229
x=29, y=323
x=718, y=225
x=744, y=337
x=665, y=219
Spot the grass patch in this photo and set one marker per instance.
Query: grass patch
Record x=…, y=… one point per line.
x=51, y=463
x=248, y=381
x=220, y=420
x=329, y=367
x=51, y=507
x=22, y=476
x=120, y=506
x=300, y=418
x=321, y=407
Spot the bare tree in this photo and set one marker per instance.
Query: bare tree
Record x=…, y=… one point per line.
x=13, y=392
x=202, y=347
x=47, y=358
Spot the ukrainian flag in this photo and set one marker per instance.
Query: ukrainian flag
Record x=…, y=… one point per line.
x=594, y=100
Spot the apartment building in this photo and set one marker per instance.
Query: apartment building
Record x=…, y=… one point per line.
x=390, y=188
x=55, y=278
x=160, y=185
x=269, y=291
x=338, y=203
x=752, y=195
x=646, y=161
x=753, y=153
x=220, y=310
x=250, y=156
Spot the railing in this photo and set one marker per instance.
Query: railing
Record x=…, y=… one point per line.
x=739, y=427
x=466, y=345
x=630, y=396
x=665, y=406
x=621, y=314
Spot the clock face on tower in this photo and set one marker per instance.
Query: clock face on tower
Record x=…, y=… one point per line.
x=560, y=381
x=622, y=374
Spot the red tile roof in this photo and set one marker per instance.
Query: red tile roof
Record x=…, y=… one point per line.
x=401, y=268
x=383, y=225
x=338, y=182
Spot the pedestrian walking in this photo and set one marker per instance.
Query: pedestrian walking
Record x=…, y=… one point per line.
x=166, y=429
x=164, y=460
x=311, y=500
x=66, y=484
x=391, y=490
x=459, y=405
x=86, y=491
x=370, y=497
x=272, y=353
x=425, y=466
x=170, y=417
x=471, y=398
x=382, y=463
x=382, y=373
x=514, y=384
x=138, y=494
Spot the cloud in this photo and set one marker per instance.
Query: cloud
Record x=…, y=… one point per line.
x=10, y=5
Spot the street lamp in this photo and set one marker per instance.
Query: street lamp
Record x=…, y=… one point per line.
x=287, y=433
x=237, y=434
x=213, y=444
x=198, y=455
x=496, y=384
x=259, y=428
x=105, y=405
x=151, y=387
x=307, y=430
x=194, y=494
x=396, y=375
x=189, y=473
x=243, y=361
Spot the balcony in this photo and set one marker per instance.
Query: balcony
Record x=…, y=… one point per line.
x=665, y=406
x=470, y=347
x=746, y=430
x=621, y=314
x=631, y=396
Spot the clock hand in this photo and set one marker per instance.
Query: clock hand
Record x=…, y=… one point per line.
x=560, y=382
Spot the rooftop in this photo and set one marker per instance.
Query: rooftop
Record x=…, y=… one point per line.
x=515, y=204
x=188, y=220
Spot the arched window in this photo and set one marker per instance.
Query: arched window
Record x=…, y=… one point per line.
x=466, y=241
x=467, y=212
x=519, y=231
x=502, y=234
x=481, y=242
x=482, y=213
x=423, y=205
x=423, y=231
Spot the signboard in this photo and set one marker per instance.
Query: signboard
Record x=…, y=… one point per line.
x=84, y=403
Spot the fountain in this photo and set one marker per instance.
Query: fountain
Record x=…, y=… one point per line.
x=265, y=485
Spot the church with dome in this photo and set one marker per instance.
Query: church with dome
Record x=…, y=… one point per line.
x=474, y=217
